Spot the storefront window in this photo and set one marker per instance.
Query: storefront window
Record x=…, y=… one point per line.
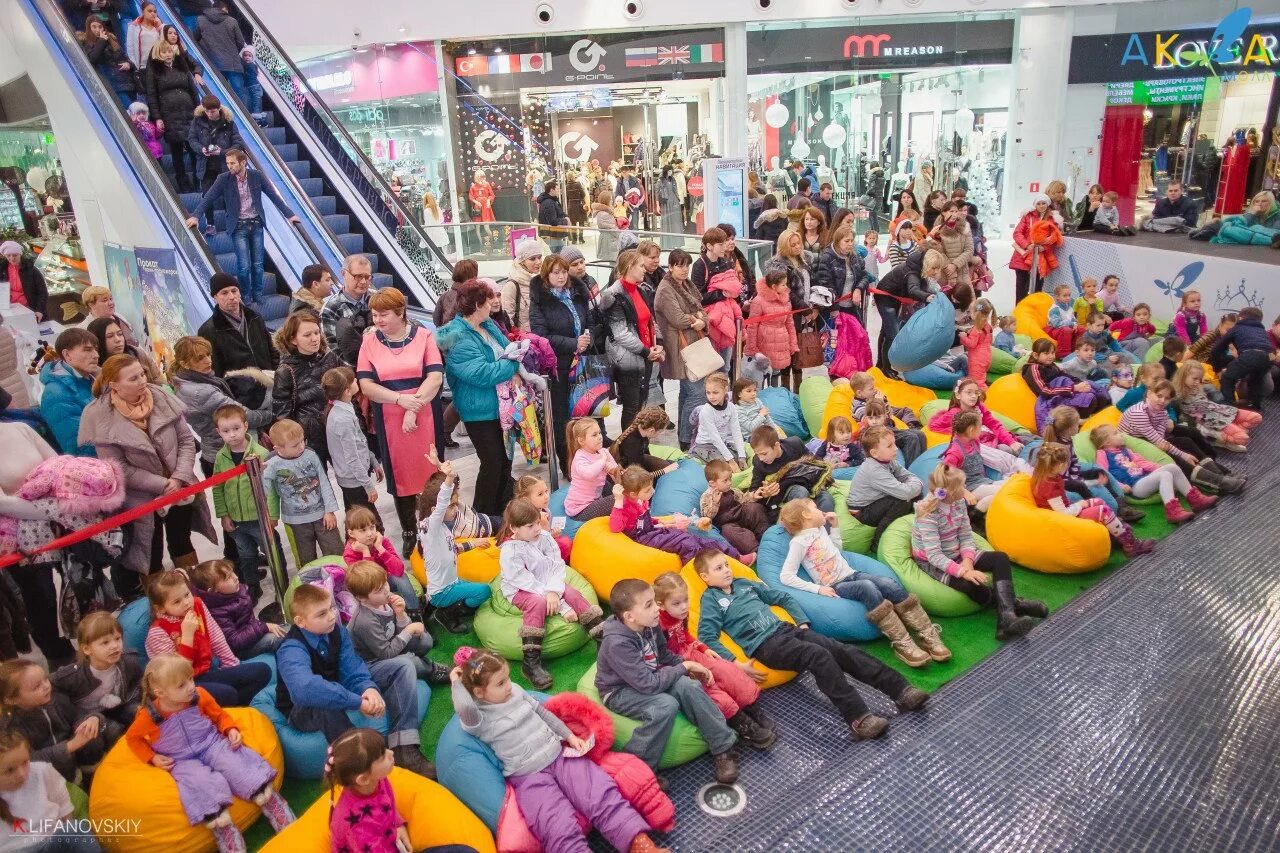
x=919, y=105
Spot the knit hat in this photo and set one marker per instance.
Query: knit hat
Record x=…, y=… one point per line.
x=220, y=281
x=527, y=249
x=1041, y=197
x=9, y=247
x=627, y=240
x=572, y=253
x=493, y=285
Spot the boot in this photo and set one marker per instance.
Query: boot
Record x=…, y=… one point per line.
x=451, y=618
x=1008, y=623
x=868, y=726
x=1175, y=514
x=1209, y=476
x=726, y=767
x=642, y=843
x=750, y=732
x=927, y=633
x=226, y=834
x=1204, y=479
x=410, y=757
x=912, y=699
x=1130, y=544
x=408, y=542
x=1222, y=470
x=531, y=666
x=593, y=620
x=437, y=673
x=274, y=808
x=1199, y=500
x=186, y=561
x=1030, y=607
x=755, y=712
x=1130, y=513
x=884, y=618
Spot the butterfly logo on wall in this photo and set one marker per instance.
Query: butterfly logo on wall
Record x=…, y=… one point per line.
x=1180, y=283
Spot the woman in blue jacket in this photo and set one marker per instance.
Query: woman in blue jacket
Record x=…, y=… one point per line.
x=478, y=357
x=68, y=388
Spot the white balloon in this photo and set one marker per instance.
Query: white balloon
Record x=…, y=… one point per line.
x=833, y=135
x=36, y=176
x=964, y=120
x=777, y=114
x=800, y=148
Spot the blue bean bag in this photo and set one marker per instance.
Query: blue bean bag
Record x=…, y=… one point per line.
x=135, y=621
x=845, y=473
x=784, y=408
x=927, y=461
x=925, y=337
x=934, y=376
x=837, y=618
x=305, y=752
x=679, y=490
x=556, y=507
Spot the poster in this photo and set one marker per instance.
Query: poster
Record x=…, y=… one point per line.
x=162, y=302
x=582, y=138
x=126, y=289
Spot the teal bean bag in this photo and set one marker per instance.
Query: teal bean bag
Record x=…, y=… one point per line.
x=837, y=618
x=814, y=391
x=679, y=490
x=1087, y=454
x=684, y=744
x=935, y=597
x=784, y=408
x=925, y=337
x=935, y=377
x=556, y=507
x=497, y=623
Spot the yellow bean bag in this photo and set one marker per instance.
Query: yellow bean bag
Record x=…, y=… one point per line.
x=604, y=557
x=840, y=404
x=933, y=439
x=434, y=815
x=1110, y=415
x=772, y=677
x=1041, y=539
x=125, y=789
x=1032, y=315
x=901, y=393
x=1010, y=396
x=477, y=566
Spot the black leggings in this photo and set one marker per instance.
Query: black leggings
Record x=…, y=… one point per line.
x=357, y=496
x=40, y=599
x=994, y=562
x=407, y=512
x=178, y=153
x=632, y=388
x=174, y=527
x=1189, y=440
x=494, y=487
x=1021, y=285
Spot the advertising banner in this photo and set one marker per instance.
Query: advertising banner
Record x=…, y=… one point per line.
x=579, y=139
x=126, y=288
x=878, y=48
x=162, y=301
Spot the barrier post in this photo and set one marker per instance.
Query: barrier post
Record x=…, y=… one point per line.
x=549, y=439
x=735, y=372
x=1035, y=270
x=275, y=563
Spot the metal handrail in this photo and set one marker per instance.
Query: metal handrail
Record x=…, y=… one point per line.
x=165, y=202
x=262, y=150
x=419, y=249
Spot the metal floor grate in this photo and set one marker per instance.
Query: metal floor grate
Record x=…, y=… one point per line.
x=1145, y=715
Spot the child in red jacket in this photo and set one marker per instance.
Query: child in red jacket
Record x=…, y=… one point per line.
x=776, y=336
x=366, y=542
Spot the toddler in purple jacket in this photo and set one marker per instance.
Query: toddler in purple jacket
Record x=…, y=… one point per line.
x=230, y=605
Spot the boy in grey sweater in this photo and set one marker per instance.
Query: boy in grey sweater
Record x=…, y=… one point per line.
x=298, y=492
x=881, y=490
x=380, y=628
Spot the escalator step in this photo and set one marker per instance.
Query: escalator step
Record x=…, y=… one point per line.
x=373, y=262
x=301, y=168
x=226, y=262
x=221, y=243
x=381, y=280
x=267, y=116
x=287, y=152
x=338, y=223
x=190, y=201
x=352, y=243
x=312, y=186
x=325, y=205
x=275, y=135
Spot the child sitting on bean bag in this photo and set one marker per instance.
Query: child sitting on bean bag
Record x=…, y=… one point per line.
x=1054, y=388
x=1049, y=491
x=631, y=516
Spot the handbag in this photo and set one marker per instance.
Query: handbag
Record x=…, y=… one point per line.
x=590, y=385
x=700, y=358
x=809, y=344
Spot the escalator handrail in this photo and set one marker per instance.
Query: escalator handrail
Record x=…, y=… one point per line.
x=302, y=204
x=146, y=169
x=297, y=81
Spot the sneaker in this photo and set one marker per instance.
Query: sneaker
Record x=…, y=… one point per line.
x=1131, y=514
x=410, y=757
x=438, y=672
x=912, y=699
x=726, y=767
x=868, y=726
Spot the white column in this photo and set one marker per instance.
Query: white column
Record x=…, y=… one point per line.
x=734, y=143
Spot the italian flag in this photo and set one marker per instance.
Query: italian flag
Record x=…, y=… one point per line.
x=700, y=53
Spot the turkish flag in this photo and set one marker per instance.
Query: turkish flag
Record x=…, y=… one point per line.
x=469, y=66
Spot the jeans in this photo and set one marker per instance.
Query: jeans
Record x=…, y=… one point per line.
x=494, y=486
x=692, y=395
x=888, y=308
x=994, y=563
x=466, y=592
x=533, y=607
x=235, y=686
x=911, y=442
x=235, y=79
x=247, y=237
x=397, y=681
x=248, y=539
x=657, y=714
x=824, y=501
x=869, y=590
x=830, y=661
x=264, y=645
x=415, y=652
x=403, y=588
x=1021, y=285
x=880, y=513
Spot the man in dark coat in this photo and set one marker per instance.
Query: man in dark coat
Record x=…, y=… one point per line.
x=239, y=339
x=551, y=216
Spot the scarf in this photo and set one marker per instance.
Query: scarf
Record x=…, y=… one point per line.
x=137, y=415
x=565, y=295
x=644, y=320
x=202, y=648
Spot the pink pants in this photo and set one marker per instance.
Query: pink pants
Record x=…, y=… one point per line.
x=533, y=607
x=733, y=689
x=1096, y=510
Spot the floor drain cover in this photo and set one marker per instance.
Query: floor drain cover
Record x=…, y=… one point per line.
x=721, y=800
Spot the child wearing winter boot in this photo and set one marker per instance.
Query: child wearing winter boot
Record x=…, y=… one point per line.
x=739, y=516
x=815, y=548
x=1049, y=491
x=382, y=628
x=1140, y=477
x=1063, y=427
x=631, y=516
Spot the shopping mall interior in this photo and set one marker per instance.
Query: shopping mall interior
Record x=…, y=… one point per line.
x=879, y=379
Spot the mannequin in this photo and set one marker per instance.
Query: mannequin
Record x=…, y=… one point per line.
x=755, y=143
x=1271, y=174
x=481, y=195
x=824, y=173
x=778, y=181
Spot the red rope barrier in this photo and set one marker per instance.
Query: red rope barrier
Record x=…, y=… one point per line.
x=123, y=518
x=751, y=321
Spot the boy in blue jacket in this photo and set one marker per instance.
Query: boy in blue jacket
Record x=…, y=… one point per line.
x=740, y=608
x=1254, y=353
x=322, y=679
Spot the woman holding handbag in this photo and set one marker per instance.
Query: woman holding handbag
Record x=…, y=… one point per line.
x=682, y=322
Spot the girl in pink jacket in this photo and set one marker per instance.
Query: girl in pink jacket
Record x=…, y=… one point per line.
x=723, y=314
x=1000, y=448
x=977, y=342
x=775, y=337
x=589, y=471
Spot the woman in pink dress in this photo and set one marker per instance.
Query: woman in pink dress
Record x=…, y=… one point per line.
x=400, y=371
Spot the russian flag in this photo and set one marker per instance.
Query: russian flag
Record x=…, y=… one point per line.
x=639, y=57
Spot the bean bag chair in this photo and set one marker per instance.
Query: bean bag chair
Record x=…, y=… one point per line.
x=1010, y=396
x=604, y=557
x=135, y=620
x=679, y=491
x=1032, y=315
x=935, y=597
x=1110, y=416
x=662, y=451
x=814, y=391
x=930, y=409
x=435, y=817
x=854, y=535
x=934, y=376
x=125, y=789
x=1001, y=362
x=837, y=618
x=1087, y=453
x=902, y=394
x=345, y=600
x=925, y=337
x=1154, y=354
x=684, y=744
x=784, y=408
x=497, y=624
x=839, y=404
x=79, y=801
x=1042, y=539
x=927, y=461
x=479, y=565
x=772, y=677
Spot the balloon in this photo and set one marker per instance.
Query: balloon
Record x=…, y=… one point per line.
x=777, y=114
x=833, y=135
x=800, y=148
x=964, y=120
x=36, y=176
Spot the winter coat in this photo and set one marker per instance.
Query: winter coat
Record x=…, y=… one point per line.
x=220, y=39
x=723, y=315
x=550, y=211
x=34, y=289
x=472, y=368
x=673, y=305
x=515, y=296
x=75, y=681
x=168, y=449
x=625, y=350
x=551, y=319
x=1050, y=233
x=770, y=225
x=234, y=615
x=49, y=727
x=906, y=279
x=106, y=56
x=211, y=131
x=607, y=225
x=66, y=395
x=235, y=351
x=799, y=279
x=150, y=136
x=776, y=338
x=297, y=395
x=138, y=42
x=834, y=273
x=575, y=198
x=446, y=307
x=957, y=245
x=203, y=395
x=172, y=98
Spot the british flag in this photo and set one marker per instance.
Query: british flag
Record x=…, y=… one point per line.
x=673, y=55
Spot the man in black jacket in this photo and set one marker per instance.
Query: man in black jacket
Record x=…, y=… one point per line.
x=551, y=216
x=906, y=281
x=239, y=339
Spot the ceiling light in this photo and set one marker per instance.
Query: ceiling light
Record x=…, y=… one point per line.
x=471, y=51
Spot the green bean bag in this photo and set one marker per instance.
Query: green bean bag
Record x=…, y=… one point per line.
x=854, y=535
x=935, y=597
x=1155, y=353
x=79, y=801
x=1002, y=363
x=497, y=623
x=684, y=744
x=1087, y=453
x=814, y=392
x=662, y=451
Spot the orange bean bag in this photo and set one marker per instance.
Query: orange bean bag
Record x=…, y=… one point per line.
x=772, y=677
x=1032, y=315
x=1110, y=416
x=1010, y=396
x=901, y=393
x=477, y=566
x=1041, y=539
x=604, y=557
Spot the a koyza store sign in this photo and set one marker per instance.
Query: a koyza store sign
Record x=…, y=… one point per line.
x=1236, y=46
x=876, y=48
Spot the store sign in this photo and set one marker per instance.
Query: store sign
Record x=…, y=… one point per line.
x=1237, y=45
x=617, y=57
x=581, y=139
x=1147, y=93
x=391, y=71
x=875, y=48
x=490, y=146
